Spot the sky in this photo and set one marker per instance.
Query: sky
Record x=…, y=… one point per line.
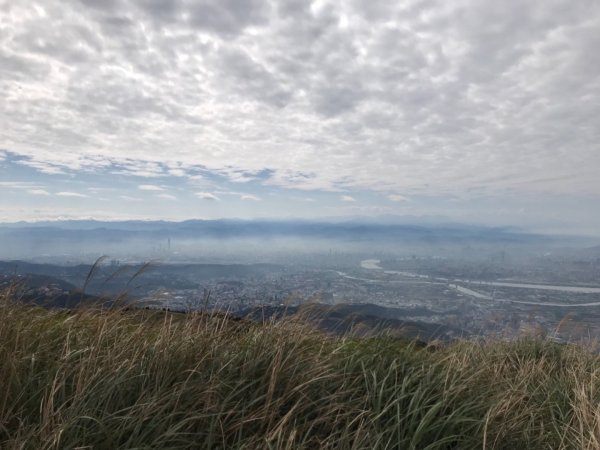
x=473, y=111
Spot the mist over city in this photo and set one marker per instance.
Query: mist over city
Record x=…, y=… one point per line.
x=425, y=163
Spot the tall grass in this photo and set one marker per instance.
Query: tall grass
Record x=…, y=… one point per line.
x=147, y=379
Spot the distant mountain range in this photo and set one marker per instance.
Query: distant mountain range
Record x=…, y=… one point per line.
x=231, y=240
x=353, y=230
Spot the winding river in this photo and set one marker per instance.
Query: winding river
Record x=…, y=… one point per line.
x=374, y=264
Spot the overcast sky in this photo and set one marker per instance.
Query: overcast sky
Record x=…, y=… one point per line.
x=463, y=110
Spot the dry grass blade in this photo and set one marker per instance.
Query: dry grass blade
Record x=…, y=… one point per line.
x=91, y=273
x=152, y=379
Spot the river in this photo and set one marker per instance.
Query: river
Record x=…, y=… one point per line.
x=374, y=264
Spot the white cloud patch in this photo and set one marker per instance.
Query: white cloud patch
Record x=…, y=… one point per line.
x=96, y=189
x=71, y=194
x=398, y=198
x=19, y=185
x=347, y=198
x=207, y=196
x=166, y=196
x=47, y=167
x=38, y=192
x=250, y=197
x=242, y=195
x=150, y=187
x=177, y=172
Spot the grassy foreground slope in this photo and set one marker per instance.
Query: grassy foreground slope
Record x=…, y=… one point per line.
x=142, y=379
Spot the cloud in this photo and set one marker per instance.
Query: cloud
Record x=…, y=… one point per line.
x=177, y=172
x=166, y=196
x=226, y=18
x=71, y=194
x=398, y=198
x=130, y=199
x=19, y=185
x=150, y=187
x=38, y=192
x=43, y=166
x=250, y=197
x=140, y=168
x=414, y=97
x=242, y=195
x=207, y=196
x=97, y=189
x=247, y=76
x=347, y=198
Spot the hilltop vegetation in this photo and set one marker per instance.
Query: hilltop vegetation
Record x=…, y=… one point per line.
x=147, y=379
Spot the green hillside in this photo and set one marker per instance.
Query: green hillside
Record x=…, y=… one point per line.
x=146, y=379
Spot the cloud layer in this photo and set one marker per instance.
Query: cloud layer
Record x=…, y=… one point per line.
x=429, y=97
